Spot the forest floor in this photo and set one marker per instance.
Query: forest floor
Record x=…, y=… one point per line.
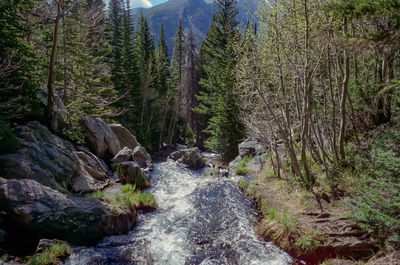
x=292, y=219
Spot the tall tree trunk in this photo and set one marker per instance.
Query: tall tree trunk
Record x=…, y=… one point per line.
x=50, y=83
x=345, y=84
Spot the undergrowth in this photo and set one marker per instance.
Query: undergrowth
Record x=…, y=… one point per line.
x=50, y=255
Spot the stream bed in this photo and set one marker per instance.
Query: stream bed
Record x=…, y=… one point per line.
x=200, y=220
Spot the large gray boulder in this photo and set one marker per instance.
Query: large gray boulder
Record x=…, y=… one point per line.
x=131, y=173
x=93, y=173
x=140, y=156
x=125, y=154
x=124, y=136
x=251, y=147
x=44, y=157
x=53, y=161
x=190, y=157
x=52, y=214
x=103, y=142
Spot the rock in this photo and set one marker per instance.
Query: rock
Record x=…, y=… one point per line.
x=103, y=142
x=124, y=155
x=54, y=162
x=44, y=157
x=190, y=157
x=141, y=157
x=233, y=165
x=131, y=173
x=52, y=214
x=93, y=173
x=124, y=136
x=250, y=147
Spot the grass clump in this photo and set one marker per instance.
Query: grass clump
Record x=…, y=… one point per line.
x=97, y=194
x=307, y=243
x=50, y=255
x=130, y=197
x=241, y=169
x=242, y=184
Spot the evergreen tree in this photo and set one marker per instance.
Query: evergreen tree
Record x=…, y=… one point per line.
x=114, y=23
x=163, y=78
x=177, y=73
x=216, y=95
x=145, y=115
x=129, y=70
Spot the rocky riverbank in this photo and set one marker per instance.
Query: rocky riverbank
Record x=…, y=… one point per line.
x=292, y=218
x=46, y=186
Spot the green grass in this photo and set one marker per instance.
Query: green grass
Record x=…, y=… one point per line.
x=130, y=197
x=242, y=184
x=96, y=194
x=241, y=169
x=307, y=243
x=50, y=255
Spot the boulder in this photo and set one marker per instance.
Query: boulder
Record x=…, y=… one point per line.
x=141, y=157
x=131, y=173
x=190, y=157
x=125, y=154
x=44, y=157
x=124, y=136
x=93, y=173
x=53, y=161
x=103, y=142
x=52, y=214
x=250, y=147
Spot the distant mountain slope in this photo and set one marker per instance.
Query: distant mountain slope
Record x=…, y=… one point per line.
x=195, y=15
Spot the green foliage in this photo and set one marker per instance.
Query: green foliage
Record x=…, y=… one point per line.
x=97, y=194
x=50, y=255
x=242, y=184
x=307, y=243
x=19, y=72
x=241, y=169
x=130, y=197
x=216, y=98
x=8, y=140
x=128, y=188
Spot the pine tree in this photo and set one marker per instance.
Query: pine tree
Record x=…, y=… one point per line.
x=115, y=39
x=216, y=95
x=146, y=111
x=190, y=80
x=129, y=70
x=163, y=79
x=177, y=73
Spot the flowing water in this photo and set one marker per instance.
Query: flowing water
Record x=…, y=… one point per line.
x=201, y=220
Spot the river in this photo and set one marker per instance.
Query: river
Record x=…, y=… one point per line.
x=200, y=220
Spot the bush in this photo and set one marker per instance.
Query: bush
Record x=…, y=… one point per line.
x=50, y=255
x=8, y=141
x=377, y=206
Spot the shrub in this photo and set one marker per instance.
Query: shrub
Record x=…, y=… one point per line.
x=50, y=255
